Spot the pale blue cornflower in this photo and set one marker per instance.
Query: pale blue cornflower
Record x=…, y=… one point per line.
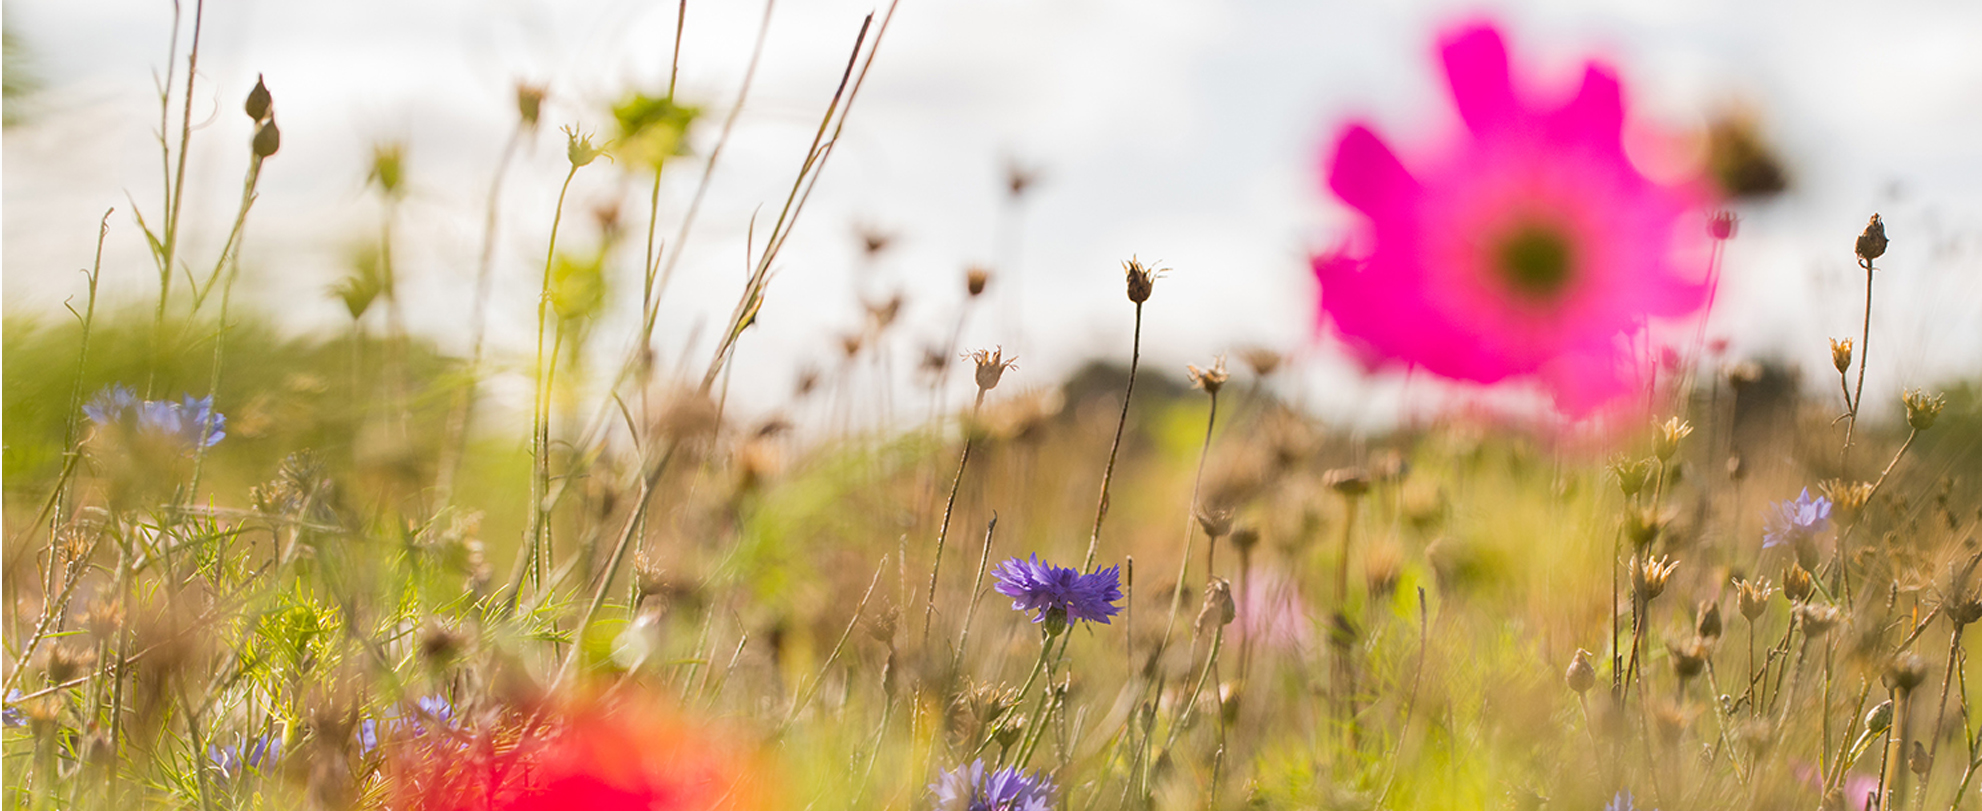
x=191, y=423
x=1799, y=520
x=969, y=788
x=1058, y=593
x=254, y=755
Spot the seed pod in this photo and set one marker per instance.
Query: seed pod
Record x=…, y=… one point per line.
x=1688, y=658
x=1141, y=279
x=1796, y=583
x=1906, y=672
x=1879, y=718
x=975, y=279
x=268, y=139
x=259, y=101
x=1581, y=676
x=1753, y=596
x=1923, y=408
x=1919, y=761
x=529, y=103
x=1215, y=522
x=1841, y=354
x=1818, y=619
x=991, y=366
x=1872, y=243
x=1218, y=606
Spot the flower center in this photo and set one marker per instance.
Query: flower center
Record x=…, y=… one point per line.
x=1534, y=261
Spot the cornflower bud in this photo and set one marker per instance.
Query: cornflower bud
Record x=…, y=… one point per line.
x=1796, y=583
x=1212, y=379
x=1631, y=475
x=1218, y=606
x=991, y=366
x=1666, y=443
x=1708, y=626
x=1841, y=354
x=529, y=104
x=1581, y=676
x=975, y=279
x=259, y=101
x=1923, y=408
x=1141, y=278
x=1872, y=243
x=1880, y=718
x=268, y=139
x=1215, y=522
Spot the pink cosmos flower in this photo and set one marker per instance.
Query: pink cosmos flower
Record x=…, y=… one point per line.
x=1532, y=247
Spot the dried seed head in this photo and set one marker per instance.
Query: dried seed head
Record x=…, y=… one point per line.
x=104, y=618
x=1212, y=379
x=441, y=643
x=1688, y=658
x=259, y=101
x=529, y=103
x=1643, y=525
x=1631, y=474
x=1721, y=225
x=1923, y=408
x=1666, y=442
x=1841, y=354
x=1708, y=626
x=1964, y=610
x=1818, y=618
x=1349, y=481
x=578, y=148
x=1850, y=497
x=975, y=279
x=67, y=661
x=1872, y=243
x=1261, y=360
x=1218, y=606
x=991, y=366
x=883, y=313
x=1906, y=672
x=268, y=139
x=1244, y=538
x=1215, y=522
x=1650, y=577
x=1141, y=278
x=1581, y=676
x=1753, y=596
x=1796, y=583
x=648, y=577
x=874, y=240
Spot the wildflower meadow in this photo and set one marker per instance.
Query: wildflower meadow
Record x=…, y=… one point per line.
x=460, y=551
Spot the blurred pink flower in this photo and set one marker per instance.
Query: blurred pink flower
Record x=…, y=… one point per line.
x=1532, y=247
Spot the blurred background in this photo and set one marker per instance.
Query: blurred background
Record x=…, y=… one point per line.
x=1182, y=131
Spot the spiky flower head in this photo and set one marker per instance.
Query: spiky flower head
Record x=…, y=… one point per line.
x=1796, y=521
x=991, y=366
x=1923, y=408
x=1141, y=278
x=1841, y=354
x=1059, y=594
x=971, y=788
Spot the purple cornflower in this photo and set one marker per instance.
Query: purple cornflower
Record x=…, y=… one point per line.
x=1060, y=593
x=13, y=716
x=968, y=788
x=1798, y=520
x=1622, y=802
x=111, y=406
x=232, y=759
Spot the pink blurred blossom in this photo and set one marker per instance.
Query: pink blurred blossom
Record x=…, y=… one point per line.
x=1530, y=247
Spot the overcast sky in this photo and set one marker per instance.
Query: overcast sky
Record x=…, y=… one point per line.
x=1182, y=131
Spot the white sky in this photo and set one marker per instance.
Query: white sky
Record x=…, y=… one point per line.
x=1185, y=131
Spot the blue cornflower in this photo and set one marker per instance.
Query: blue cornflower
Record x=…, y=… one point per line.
x=232, y=759
x=12, y=716
x=1061, y=594
x=1622, y=802
x=968, y=788
x=435, y=707
x=111, y=406
x=1798, y=520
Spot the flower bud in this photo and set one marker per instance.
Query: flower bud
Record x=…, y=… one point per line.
x=1753, y=597
x=1721, y=225
x=1349, y=481
x=1923, y=408
x=1215, y=522
x=1708, y=626
x=1218, y=606
x=529, y=103
x=1841, y=354
x=578, y=148
x=1872, y=243
x=268, y=139
x=1906, y=672
x=975, y=279
x=1244, y=539
x=259, y=101
x=1581, y=676
x=1631, y=475
x=1919, y=761
x=1688, y=658
x=1879, y=718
